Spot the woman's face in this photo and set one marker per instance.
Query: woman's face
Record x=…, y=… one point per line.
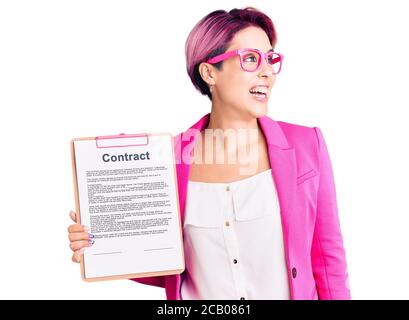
x=232, y=84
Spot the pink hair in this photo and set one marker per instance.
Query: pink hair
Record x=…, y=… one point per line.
x=212, y=35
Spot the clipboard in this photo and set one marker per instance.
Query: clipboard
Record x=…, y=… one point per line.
x=93, y=176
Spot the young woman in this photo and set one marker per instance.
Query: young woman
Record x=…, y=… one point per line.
x=266, y=231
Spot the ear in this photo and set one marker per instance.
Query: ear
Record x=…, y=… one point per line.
x=207, y=72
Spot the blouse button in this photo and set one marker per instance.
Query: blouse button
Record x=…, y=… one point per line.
x=227, y=223
x=242, y=298
x=227, y=188
x=234, y=261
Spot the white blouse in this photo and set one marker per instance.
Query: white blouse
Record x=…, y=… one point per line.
x=233, y=241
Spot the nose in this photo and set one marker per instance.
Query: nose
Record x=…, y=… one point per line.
x=265, y=69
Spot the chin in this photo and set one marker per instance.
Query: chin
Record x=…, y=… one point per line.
x=258, y=109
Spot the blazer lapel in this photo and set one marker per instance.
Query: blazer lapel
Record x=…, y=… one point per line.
x=283, y=166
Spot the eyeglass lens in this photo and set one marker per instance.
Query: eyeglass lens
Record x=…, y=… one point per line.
x=251, y=60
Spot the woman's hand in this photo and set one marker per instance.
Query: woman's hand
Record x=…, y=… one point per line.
x=79, y=238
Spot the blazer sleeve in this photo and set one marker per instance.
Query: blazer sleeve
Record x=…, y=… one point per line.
x=328, y=254
x=151, y=281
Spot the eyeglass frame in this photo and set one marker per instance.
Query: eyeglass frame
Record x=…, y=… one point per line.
x=239, y=52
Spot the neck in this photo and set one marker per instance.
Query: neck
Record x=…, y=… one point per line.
x=231, y=120
x=244, y=128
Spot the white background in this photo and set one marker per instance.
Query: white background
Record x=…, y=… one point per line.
x=85, y=68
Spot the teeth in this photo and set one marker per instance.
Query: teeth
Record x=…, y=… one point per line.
x=259, y=90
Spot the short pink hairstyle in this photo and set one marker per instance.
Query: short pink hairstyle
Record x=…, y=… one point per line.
x=211, y=36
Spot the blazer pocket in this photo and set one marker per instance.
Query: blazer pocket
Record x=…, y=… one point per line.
x=306, y=176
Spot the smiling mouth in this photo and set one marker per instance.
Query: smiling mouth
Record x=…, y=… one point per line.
x=258, y=94
x=259, y=91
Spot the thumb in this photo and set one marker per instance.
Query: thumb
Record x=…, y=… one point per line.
x=73, y=216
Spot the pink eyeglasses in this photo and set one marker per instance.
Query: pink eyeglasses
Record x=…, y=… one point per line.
x=250, y=59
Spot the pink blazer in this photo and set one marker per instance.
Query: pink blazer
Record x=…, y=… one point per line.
x=303, y=177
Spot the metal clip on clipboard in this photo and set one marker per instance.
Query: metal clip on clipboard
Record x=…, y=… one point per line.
x=122, y=140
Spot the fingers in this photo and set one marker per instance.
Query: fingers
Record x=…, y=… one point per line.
x=76, y=236
x=79, y=237
x=77, y=228
x=73, y=216
x=76, y=257
x=77, y=245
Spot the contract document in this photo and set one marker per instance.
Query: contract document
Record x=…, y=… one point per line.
x=125, y=190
